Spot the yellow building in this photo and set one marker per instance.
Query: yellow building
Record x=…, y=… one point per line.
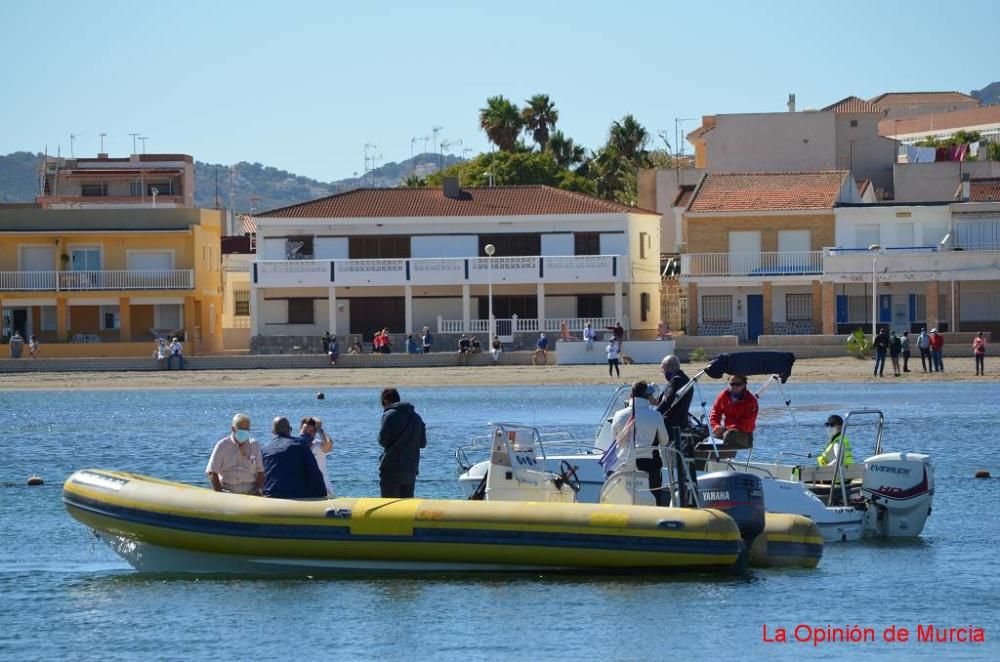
x=107, y=282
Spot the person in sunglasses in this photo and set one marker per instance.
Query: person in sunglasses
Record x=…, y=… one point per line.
x=734, y=414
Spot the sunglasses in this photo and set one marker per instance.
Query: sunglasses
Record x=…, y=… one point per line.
x=737, y=383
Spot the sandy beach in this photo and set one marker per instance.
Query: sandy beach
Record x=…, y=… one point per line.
x=806, y=370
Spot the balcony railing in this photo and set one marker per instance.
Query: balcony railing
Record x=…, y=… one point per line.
x=766, y=264
x=74, y=281
x=439, y=271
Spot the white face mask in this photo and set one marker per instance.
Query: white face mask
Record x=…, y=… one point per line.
x=241, y=436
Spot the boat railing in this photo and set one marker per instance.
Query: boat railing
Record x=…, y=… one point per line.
x=546, y=442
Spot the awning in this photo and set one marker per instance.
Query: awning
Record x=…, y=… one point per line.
x=752, y=363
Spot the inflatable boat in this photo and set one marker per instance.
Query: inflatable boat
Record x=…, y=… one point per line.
x=165, y=527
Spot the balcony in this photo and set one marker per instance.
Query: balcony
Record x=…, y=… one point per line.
x=916, y=263
x=77, y=281
x=440, y=271
x=767, y=265
x=74, y=201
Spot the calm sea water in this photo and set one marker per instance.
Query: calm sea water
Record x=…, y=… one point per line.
x=61, y=594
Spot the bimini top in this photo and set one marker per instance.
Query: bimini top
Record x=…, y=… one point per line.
x=752, y=363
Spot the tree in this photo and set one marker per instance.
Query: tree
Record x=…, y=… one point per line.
x=506, y=168
x=628, y=138
x=414, y=181
x=614, y=176
x=565, y=152
x=502, y=122
x=540, y=117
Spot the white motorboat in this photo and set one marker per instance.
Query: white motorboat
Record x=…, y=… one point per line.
x=886, y=495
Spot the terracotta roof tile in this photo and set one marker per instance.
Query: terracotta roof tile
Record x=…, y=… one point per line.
x=528, y=200
x=765, y=191
x=922, y=97
x=852, y=105
x=683, y=196
x=863, y=185
x=986, y=189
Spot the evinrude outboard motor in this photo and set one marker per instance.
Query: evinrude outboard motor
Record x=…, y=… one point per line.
x=898, y=488
x=739, y=495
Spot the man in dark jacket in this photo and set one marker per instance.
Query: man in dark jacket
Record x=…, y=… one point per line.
x=675, y=412
x=402, y=435
x=290, y=469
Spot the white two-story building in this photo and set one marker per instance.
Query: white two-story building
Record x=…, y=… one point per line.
x=407, y=258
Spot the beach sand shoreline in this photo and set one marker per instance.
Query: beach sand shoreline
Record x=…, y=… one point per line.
x=839, y=370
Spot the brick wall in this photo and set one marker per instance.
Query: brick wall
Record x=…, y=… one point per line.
x=711, y=234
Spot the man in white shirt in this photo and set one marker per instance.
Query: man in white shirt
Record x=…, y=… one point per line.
x=176, y=352
x=640, y=429
x=236, y=464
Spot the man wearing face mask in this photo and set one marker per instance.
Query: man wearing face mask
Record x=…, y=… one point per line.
x=675, y=412
x=236, y=464
x=834, y=432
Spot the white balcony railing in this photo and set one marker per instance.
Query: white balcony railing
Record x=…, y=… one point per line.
x=765, y=264
x=72, y=281
x=440, y=271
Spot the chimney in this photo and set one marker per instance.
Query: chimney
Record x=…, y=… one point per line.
x=791, y=103
x=103, y=156
x=966, y=187
x=450, y=187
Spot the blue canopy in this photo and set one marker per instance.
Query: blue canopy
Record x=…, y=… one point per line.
x=752, y=363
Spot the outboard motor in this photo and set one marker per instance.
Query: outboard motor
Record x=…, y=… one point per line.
x=898, y=488
x=739, y=495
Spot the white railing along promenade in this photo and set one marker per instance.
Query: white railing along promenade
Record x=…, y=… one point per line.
x=528, y=325
x=770, y=263
x=71, y=281
x=439, y=270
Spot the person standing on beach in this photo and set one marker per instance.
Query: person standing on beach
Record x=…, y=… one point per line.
x=402, y=435
x=176, y=352
x=613, y=349
x=588, y=336
x=236, y=464
x=881, y=344
x=937, y=350
x=979, y=352
x=33, y=347
x=924, y=345
x=905, y=342
x=895, y=347
x=427, y=339
x=333, y=350
x=496, y=349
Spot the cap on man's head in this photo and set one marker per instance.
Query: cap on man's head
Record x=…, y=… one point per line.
x=835, y=420
x=934, y=330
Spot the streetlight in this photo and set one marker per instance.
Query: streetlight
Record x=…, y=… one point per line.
x=490, y=249
x=874, y=248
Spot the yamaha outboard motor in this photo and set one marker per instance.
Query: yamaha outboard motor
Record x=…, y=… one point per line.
x=739, y=495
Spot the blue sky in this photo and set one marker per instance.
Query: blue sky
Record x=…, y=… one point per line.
x=304, y=85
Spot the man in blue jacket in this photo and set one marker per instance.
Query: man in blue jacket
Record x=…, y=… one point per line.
x=402, y=435
x=290, y=469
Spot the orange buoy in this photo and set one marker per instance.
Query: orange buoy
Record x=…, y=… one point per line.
x=35, y=480
x=983, y=473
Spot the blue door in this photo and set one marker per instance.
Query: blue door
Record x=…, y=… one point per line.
x=755, y=315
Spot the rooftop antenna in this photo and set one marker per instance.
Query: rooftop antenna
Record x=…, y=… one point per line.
x=143, y=139
x=134, y=136
x=232, y=190
x=678, y=124
x=370, y=158
x=102, y=144
x=426, y=140
x=413, y=164
x=435, y=130
x=72, y=139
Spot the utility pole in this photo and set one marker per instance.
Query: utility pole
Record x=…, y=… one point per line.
x=134, y=136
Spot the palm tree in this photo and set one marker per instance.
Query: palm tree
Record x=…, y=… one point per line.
x=540, y=117
x=629, y=138
x=564, y=151
x=501, y=120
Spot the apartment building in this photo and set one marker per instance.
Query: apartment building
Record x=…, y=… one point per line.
x=106, y=282
x=137, y=181
x=407, y=258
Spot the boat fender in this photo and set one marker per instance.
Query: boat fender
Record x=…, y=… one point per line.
x=338, y=513
x=35, y=480
x=982, y=473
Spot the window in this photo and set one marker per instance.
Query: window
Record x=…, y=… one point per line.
x=798, y=307
x=85, y=259
x=586, y=243
x=298, y=248
x=300, y=311
x=865, y=236
x=162, y=188
x=854, y=124
x=717, y=308
x=241, y=303
x=859, y=308
x=590, y=305
x=135, y=189
x=94, y=190
x=378, y=248
x=920, y=307
x=504, y=307
x=48, y=318
x=644, y=306
x=109, y=318
x=168, y=316
x=513, y=245
x=643, y=239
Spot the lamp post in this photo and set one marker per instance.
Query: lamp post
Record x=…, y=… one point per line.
x=490, y=249
x=874, y=248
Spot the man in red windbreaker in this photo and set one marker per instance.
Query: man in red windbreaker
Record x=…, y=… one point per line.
x=739, y=409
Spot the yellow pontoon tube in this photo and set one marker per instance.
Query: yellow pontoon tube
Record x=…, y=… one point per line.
x=161, y=526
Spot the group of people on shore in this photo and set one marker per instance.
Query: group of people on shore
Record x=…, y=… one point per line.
x=166, y=353
x=294, y=466
x=930, y=346
x=17, y=344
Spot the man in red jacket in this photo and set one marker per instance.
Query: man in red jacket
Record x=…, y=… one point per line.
x=739, y=409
